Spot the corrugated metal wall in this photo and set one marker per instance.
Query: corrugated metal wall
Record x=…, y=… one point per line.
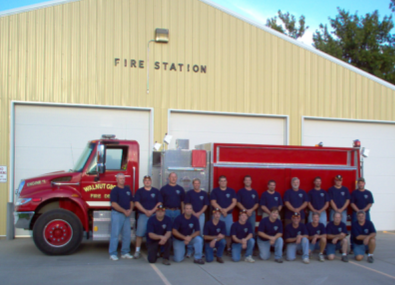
x=66, y=53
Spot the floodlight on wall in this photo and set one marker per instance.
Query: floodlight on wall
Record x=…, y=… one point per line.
x=365, y=152
x=157, y=146
x=161, y=36
x=167, y=139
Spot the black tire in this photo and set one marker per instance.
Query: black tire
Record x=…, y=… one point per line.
x=67, y=218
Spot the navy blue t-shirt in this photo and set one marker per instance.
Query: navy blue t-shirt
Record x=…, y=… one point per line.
x=318, y=198
x=318, y=230
x=248, y=198
x=291, y=232
x=223, y=197
x=122, y=196
x=362, y=198
x=271, y=200
x=240, y=231
x=366, y=229
x=148, y=198
x=339, y=196
x=186, y=226
x=158, y=227
x=172, y=196
x=213, y=230
x=296, y=198
x=269, y=228
x=332, y=229
x=197, y=199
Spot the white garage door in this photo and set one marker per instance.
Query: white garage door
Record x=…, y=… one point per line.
x=50, y=138
x=379, y=167
x=221, y=128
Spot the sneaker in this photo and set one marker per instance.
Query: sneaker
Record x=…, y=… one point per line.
x=188, y=255
x=306, y=260
x=136, y=255
x=166, y=262
x=114, y=257
x=220, y=260
x=321, y=257
x=198, y=261
x=344, y=258
x=249, y=259
x=370, y=259
x=127, y=256
x=278, y=260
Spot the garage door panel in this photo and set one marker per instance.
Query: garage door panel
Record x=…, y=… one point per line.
x=379, y=167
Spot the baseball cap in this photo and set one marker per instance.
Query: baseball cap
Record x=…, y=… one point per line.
x=215, y=210
x=339, y=177
x=361, y=179
x=243, y=212
x=295, y=214
x=161, y=207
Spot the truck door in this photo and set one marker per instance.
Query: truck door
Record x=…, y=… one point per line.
x=95, y=189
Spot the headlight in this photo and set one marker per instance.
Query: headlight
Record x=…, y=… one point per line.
x=19, y=190
x=22, y=201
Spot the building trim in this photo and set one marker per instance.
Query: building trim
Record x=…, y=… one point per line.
x=49, y=104
x=340, y=120
x=299, y=44
x=286, y=117
x=34, y=7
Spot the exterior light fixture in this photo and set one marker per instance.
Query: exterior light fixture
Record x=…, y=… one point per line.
x=356, y=143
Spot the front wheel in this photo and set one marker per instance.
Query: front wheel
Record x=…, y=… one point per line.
x=58, y=232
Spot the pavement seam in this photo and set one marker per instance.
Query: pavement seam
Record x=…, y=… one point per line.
x=201, y=267
x=157, y=271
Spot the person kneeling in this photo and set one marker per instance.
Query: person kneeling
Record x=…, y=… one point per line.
x=186, y=230
x=317, y=235
x=214, y=236
x=363, y=235
x=336, y=232
x=241, y=233
x=296, y=238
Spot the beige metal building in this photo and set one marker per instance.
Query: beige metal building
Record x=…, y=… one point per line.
x=72, y=70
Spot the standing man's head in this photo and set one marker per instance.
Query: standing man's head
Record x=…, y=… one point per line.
x=271, y=185
x=296, y=219
x=316, y=218
x=317, y=182
x=274, y=213
x=120, y=180
x=222, y=182
x=147, y=181
x=338, y=180
x=361, y=216
x=337, y=218
x=160, y=212
x=216, y=214
x=243, y=217
x=173, y=179
x=196, y=184
x=188, y=209
x=361, y=183
x=247, y=181
x=295, y=182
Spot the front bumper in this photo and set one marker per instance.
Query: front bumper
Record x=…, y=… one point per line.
x=22, y=219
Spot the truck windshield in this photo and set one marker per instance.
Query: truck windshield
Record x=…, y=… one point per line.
x=84, y=157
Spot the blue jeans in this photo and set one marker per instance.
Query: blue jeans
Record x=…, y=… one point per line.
x=228, y=223
x=119, y=223
x=323, y=218
x=142, y=225
x=344, y=216
x=219, y=245
x=202, y=218
x=179, y=248
x=172, y=214
x=264, y=248
x=236, y=249
x=252, y=221
x=360, y=249
x=293, y=247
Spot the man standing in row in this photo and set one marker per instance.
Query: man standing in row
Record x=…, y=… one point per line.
x=270, y=232
x=224, y=198
x=295, y=200
x=296, y=237
x=158, y=234
x=146, y=199
x=339, y=197
x=336, y=232
x=271, y=198
x=242, y=238
x=214, y=236
x=318, y=201
x=121, y=199
x=317, y=235
x=361, y=200
x=199, y=200
x=173, y=197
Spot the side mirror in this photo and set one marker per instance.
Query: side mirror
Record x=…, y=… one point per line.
x=101, y=159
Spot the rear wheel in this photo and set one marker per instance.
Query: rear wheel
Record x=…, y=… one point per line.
x=58, y=232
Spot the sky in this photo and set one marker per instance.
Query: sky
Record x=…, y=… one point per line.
x=315, y=11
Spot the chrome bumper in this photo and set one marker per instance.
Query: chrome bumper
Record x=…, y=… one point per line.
x=22, y=219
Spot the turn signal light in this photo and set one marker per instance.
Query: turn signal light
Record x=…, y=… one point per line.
x=36, y=200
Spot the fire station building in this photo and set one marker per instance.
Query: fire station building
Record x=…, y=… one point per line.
x=72, y=70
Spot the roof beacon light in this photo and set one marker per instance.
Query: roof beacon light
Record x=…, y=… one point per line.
x=108, y=136
x=320, y=144
x=356, y=143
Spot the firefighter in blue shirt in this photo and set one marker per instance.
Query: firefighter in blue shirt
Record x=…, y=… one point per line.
x=363, y=235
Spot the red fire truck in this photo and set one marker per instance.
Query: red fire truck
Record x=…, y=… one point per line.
x=61, y=207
